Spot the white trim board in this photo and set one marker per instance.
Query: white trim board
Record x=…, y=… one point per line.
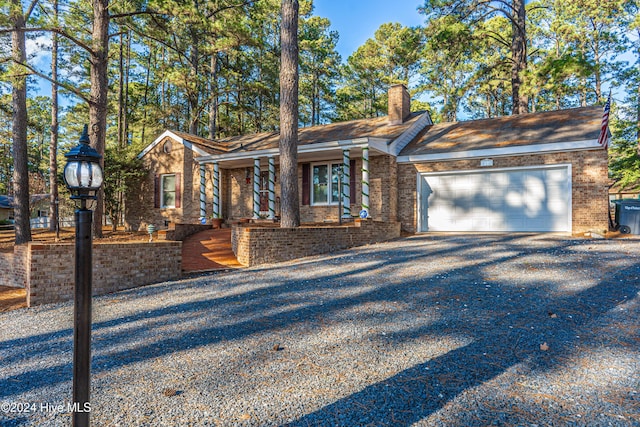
x=503, y=151
x=346, y=144
x=169, y=134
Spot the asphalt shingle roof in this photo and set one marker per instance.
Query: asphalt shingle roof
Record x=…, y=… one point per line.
x=377, y=127
x=576, y=124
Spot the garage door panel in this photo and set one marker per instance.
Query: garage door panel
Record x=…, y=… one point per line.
x=557, y=207
x=555, y=175
x=536, y=199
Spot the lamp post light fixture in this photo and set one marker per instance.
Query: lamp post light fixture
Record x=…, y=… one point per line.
x=83, y=177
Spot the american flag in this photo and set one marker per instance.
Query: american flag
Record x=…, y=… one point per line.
x=603, y=139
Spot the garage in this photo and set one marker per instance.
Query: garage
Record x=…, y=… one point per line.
x=497, y=200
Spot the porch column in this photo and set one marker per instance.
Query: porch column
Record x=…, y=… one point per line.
x=256, y=188
x=365, y=180
x=216, y=190
x=272, y=187
x=346, y=191
x=203, y=195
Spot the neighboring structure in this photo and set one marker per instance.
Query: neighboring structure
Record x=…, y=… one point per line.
x=616, y=192
x=6, y=208
x=531, y=172
x=39, y=208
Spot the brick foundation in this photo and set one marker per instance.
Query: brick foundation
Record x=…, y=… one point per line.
x=262, y=245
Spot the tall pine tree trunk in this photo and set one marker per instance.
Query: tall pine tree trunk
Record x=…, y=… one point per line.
x=638, y=102
x=213, y=103
x=638, y=118
x=98, y=95
x=146, y=93
x=53, y=144
x=19, y=126
x=127, y=67
x=289, y=201
x=192, y=91
x=518, y=57
x=314, y=99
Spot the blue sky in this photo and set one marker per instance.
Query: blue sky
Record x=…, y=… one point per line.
x=357, y=20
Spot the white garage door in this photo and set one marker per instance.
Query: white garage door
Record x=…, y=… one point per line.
x=533, y=199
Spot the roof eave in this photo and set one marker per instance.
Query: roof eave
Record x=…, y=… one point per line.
x=307, y=148
x=554, y=147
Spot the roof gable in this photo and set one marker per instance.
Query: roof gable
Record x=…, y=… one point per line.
x=201, y=146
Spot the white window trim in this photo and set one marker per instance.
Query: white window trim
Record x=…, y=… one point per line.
x=162, y=205
x=329, y=164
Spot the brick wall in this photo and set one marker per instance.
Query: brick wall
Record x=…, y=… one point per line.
x=384, y=171
x=383, y=193
x=590, y=200
x=13, y=267
x=6, y=269
x=237, y=195
x=116, y=266
x=261, y=245
x=140, y=210
x=399, y=104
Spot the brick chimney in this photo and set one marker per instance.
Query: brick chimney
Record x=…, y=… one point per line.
x=399, y=104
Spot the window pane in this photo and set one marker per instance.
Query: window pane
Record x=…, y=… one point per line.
x=320, y=183
x=168, y=191
x=169, y=182
x=335, y=196
x=168, y=199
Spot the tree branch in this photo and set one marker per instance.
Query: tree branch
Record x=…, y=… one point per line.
x=244, y=3
x=58, y=31
x=136, y=13
x=30, y=10
x=505, y=3
x=497, y=37
x=65, y=86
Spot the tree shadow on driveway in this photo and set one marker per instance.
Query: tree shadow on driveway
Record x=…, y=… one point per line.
x=495, y=295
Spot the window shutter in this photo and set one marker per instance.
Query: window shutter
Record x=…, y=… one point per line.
x=178, y=192
x=306, y=184
x=156, y=191
x=352, y=180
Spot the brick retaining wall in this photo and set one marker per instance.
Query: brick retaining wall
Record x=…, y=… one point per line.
x=179, y=232
x=116, y=266
x=262, y=245
x=6, y=270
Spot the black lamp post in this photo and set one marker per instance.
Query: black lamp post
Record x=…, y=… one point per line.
x=83, y=177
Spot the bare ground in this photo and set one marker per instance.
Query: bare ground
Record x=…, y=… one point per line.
x=67, y=235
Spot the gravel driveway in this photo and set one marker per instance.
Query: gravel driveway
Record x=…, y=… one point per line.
x=438, y=330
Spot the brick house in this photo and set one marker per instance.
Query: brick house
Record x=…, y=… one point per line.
x=532, y=172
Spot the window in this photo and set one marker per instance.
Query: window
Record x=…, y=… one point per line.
x=324, y=191
x=168, y=191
